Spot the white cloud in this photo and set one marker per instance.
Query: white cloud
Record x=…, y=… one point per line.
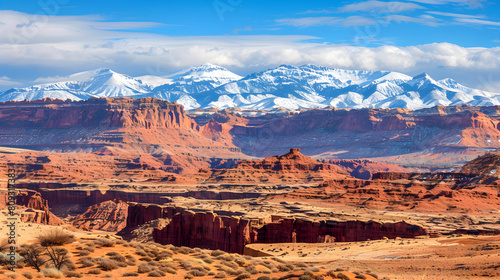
x=8, y=82
x=381, y=7
x=478, y=21
x=424, y=19
x=324, y=11
x=469, y=3
x=361, y=21
x=308, y=21
x=455, y=15
x=135, y=53
x=351, y=21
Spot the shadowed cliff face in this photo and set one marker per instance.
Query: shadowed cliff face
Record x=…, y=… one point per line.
x=231, y=234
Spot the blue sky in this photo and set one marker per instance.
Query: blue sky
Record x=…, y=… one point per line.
x=41, y=40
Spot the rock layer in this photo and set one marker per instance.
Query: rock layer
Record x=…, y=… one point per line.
x=107, y=216
x=231, y=234
x=36, y=208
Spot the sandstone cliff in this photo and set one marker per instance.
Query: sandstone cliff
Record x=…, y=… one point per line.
x=107, y=216
x=34, y=208
x=292, y=167
x=231, y=234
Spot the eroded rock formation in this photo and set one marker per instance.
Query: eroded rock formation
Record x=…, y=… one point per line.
x=292, y=167
x=107, y=216
x=34, y=208
x=231, y=234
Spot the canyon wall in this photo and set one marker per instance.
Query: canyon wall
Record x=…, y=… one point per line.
x=58, y=193
x=108, y=216
x=95, y=112
x=231, y=234
x=34, y=209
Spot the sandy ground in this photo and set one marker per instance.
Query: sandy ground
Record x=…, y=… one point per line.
x=447, y=257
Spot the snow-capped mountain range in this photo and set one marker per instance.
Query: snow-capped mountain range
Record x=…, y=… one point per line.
x=288, y=87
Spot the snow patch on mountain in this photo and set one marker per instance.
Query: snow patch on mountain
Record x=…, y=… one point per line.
x=286, y=86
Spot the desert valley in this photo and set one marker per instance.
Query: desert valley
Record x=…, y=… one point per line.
x=245, y=139
x=127, y=187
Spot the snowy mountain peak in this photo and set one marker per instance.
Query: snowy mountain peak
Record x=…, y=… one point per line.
x=103, y=71
x=286, y=86
x=205, y=72
x=423, y=76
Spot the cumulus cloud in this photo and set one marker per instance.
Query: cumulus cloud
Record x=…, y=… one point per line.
x=136, y=53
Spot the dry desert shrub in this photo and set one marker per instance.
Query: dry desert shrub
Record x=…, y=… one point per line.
x=27, y=274
x=89, y=248
x=243, y=276
x=360, y=276
x=312, y=269
x=52, y=273
x=131, y=260
x=69, y=265
x=251, y=269
x=136, y=245
x=217, y=253
x=144, y=268
x=226, y=257
x=95, y=271
x=162, y=255
x=141, y=252
x=220, y=274
x=170, y=270
x=184, y=250
x=116, y=257
x=4, y=244
x=198, y=273
x=84, y=252
x=73, y=274
x=55, y=237
x=104, y=242
x=342, y=276
x=87, y=262
x=207, y=259
x=11, y=275
x=229, y=264
x=107, y=264
x=156, y=274
x=283, y=268
x=121, y=242
x=130, y=274
x=146, y=259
